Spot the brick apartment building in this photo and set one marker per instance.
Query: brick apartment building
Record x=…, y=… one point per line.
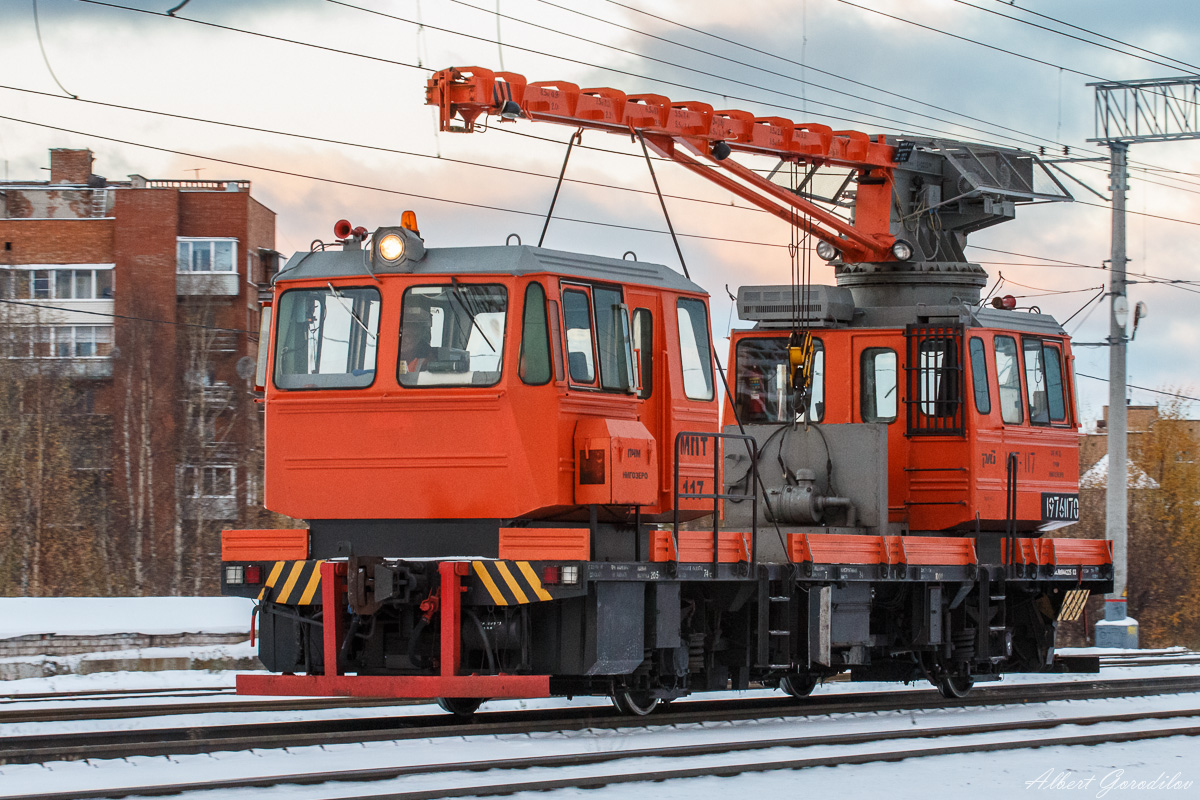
x=1141, y=422
x=144, y=295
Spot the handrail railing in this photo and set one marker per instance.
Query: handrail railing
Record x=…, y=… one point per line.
x=717, y=495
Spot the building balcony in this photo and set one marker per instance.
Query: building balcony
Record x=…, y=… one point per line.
x=89, y=368
x=213, y=284
x=211, y=508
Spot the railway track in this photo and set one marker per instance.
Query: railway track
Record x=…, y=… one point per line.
x=108, y=704
x=193, y=739
x=592, y=769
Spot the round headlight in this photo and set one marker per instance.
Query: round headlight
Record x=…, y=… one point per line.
x=902, y=250
x=391, y=247
x=826, y=251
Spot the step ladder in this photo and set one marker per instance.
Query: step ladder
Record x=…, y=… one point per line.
x=779, y=630
x=99, y=203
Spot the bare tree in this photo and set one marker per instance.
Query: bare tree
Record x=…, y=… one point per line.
x=53, y=508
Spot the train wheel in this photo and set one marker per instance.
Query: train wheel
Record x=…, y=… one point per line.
x=635, y=704
x=464, y=707
x=954, y=687
x=798, y=685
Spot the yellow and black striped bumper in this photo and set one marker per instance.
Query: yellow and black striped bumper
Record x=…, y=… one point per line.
x=293, y=583
x=510, y=583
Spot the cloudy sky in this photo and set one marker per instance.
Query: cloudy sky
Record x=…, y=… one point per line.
x=329, y=99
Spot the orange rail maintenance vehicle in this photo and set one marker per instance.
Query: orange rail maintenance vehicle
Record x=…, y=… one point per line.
x=517, y=482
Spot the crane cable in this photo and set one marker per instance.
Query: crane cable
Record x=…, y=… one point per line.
x=800, y=341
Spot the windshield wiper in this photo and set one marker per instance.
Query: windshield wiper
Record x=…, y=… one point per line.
x=456, y=295
x=342, y=301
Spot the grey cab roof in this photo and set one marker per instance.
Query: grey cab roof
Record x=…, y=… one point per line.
x=495, y=260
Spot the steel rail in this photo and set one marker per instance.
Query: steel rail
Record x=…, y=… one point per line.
x=724, y=771
x=568, y=760
x=206, y=739
x=175, y=709
x=101, y=694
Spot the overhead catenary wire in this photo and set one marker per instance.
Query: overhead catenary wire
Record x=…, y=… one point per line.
x=111, y=315
x=1040, y=15
x=1144, y=388
x=710, y=91
x=37, y=27
x=485, y=206
x=760, y=51
x=1069, y=35
x=1029, y=139
x=355, y=185
x=934, y=29
x=259, y=34
x=97, y=2
x=718, y=76
x=421, y=26
x=380, y=148
x=803, y=66
x=628, y=73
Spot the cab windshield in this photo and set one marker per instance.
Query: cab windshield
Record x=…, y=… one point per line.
x=327, y=338
x=452, y=335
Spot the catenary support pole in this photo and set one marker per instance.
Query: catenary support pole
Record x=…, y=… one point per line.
x=1117, y=630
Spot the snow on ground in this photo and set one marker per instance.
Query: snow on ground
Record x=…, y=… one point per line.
x=1163, y=767
x=77, y=662
x=95, y=616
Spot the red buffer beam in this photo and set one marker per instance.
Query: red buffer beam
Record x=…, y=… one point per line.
x=463, y=94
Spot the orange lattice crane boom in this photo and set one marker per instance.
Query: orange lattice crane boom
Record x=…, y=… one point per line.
x=670, y=128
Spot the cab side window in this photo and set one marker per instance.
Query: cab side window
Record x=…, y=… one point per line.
x=643, y=348
x=694, y=351
x=1055, y=383
x=763, y=392
x=879, y=385
x=979, y=378
x=613, y=338
x=1044, y=382
x=577, y=315
x=1008, y=380
x=535, y=338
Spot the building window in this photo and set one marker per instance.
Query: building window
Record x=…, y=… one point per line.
x=217, y=480
x=57, y=284
x=206, y=255
x=58, y=341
